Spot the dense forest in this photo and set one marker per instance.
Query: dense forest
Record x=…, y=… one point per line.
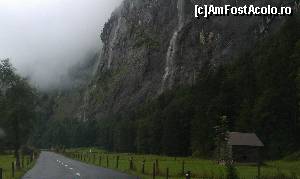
x=258, y=92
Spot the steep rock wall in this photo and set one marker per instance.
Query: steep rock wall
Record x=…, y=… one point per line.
x=154, y=45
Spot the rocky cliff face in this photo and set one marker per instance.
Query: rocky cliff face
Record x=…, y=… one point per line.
x=154, y=45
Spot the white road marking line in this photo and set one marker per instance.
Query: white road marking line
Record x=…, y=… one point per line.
x=66, y=165
x=71, y=168
x=78, y=174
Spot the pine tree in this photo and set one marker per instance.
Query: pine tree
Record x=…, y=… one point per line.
x=221, y=139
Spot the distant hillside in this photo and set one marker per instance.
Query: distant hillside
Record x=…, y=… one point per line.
x=163, y=78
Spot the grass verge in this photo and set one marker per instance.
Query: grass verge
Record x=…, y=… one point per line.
x=177, y=166
x=6, y=165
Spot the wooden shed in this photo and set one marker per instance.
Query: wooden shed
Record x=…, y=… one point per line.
x=244, y=147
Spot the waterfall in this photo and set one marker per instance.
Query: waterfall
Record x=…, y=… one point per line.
x=97, y=65
x=169, y=68
x=113, y=41
x=85, y=104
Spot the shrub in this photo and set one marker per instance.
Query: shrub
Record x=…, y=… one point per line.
x=231, y=172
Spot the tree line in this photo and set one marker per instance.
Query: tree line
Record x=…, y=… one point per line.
x=17, y=109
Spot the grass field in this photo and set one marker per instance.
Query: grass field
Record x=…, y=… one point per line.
x=199, y=168
x=6, y=165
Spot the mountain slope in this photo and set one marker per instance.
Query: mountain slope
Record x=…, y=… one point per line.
x=153, y=46
x=164, y=78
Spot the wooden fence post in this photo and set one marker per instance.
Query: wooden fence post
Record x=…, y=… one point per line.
x=31, y=157
x=117, y=165
x=100, y=158
x=1, y=176
x=94, y=159
x=130, y=163
x=22, y=163
x=156, y=167
x=13, y=169
x=153, y=171
x=143, y=166
x=188, y=175
x=258, y=170
x=107, y=164
x=183, y=167
x=167, y=173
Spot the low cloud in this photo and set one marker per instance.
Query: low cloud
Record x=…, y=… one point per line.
x=44, y=38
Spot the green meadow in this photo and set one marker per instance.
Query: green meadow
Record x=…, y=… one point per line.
x=177, y=166
x=6, y=161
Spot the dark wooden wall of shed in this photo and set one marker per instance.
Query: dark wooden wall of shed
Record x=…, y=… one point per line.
x=245, y=154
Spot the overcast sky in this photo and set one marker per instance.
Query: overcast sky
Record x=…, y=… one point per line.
x=45, y=37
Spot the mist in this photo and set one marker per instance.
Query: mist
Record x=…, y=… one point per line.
x=44, y=38
x=2, y=133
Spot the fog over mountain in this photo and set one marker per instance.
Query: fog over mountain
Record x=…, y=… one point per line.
x=43, y=38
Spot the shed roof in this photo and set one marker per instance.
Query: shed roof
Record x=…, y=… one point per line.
x=246, y=139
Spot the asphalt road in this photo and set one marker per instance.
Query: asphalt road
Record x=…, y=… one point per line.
x=54, y=166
